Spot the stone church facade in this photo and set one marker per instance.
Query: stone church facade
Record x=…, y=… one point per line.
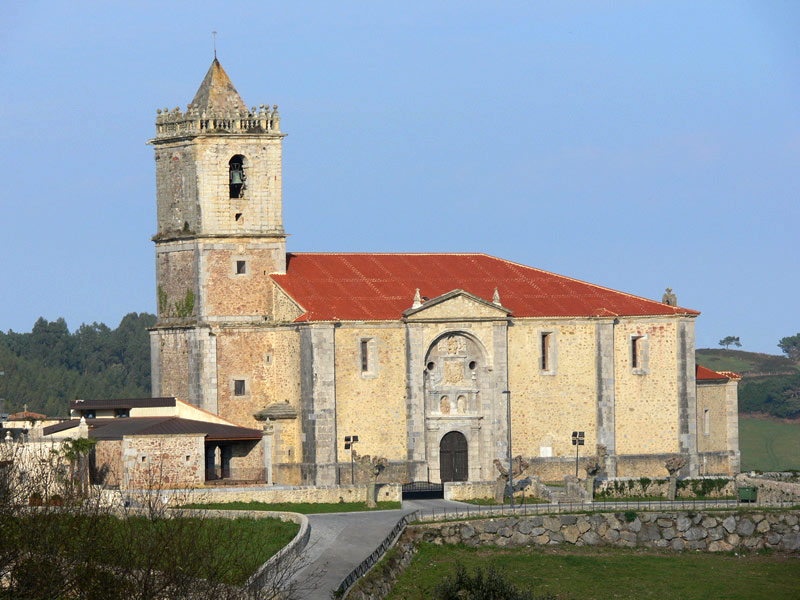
x=419, y=355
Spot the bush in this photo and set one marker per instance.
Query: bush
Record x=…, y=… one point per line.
x=481, y=585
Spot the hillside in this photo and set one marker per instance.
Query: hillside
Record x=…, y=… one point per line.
x=50, y=366
x=750, y=365
x=770, y=383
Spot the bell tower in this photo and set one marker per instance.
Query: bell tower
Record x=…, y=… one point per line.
x=220, y=230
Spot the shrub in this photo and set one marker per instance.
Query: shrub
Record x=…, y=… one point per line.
x=630, y=516
x=480, y=585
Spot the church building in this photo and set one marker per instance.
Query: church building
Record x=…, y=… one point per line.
x=427, y=358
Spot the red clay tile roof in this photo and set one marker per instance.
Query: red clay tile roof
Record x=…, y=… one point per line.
x=702, y=373
x=26, y=415
x=378, y=287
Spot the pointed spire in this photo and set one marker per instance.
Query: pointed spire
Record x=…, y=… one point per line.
x=417, y=300
x=496, y=297
x=217, y=91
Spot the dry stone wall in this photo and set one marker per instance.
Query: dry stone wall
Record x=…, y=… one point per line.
x=714, y=532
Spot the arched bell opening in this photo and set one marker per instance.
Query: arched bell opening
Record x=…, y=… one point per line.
x=236, y=176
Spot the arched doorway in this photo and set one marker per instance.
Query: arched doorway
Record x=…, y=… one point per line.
x=453, y=464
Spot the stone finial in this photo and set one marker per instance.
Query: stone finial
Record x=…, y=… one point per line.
x=417, y=300
x=8, y=437
x=496, y=297
x=276, y=118
x=669, y=298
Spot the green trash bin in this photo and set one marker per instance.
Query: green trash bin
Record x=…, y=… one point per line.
x=748, y=494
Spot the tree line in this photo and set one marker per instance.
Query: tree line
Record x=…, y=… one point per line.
x=48, y=367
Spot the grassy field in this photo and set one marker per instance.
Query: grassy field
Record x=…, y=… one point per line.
x=303, y=508
x=769, y=445
x=585, y=573
x=743, y=362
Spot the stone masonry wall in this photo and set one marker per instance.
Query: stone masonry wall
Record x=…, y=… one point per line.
x=717, y=532
x=388, y=492
x=173, y=350
x=646, y=399
x=267, y=360
x=163, y=461
x=547, y=406
x=712, y=397
x=372, y=404
x=106, y=463
x=224, y=292
x=175, y=276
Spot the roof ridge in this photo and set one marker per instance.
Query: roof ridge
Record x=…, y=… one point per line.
x=602, y=287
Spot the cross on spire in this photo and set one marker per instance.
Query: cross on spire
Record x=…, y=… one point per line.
x=215, y=43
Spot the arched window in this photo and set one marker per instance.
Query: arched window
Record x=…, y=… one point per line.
x=236, y=176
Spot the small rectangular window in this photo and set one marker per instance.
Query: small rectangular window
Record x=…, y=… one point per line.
x=241, y=267
x=636, y=352
x=546, y=337
x=706, y=422
x=364, y=356
x=122, y=413
x=238, y=387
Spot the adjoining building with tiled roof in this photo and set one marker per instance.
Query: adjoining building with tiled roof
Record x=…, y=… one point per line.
x=419, y=355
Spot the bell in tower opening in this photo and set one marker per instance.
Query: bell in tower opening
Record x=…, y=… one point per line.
x=237, y=177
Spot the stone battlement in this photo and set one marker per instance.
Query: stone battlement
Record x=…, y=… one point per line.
x=196, y=121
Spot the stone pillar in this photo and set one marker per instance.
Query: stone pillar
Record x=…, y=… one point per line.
x=415, y=403
x=687, y=397
x=318, y=402
x=732, y=414
x=155, y=364
x=202, y=348
x=266, y=449
x=497, y=402
x=604, y=369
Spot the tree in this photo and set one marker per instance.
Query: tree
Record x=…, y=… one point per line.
x=729, y=341
x=791, y=347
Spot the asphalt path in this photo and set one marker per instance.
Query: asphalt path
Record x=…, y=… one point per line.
x=340, y=541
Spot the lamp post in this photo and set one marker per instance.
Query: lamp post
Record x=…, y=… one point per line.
x=577, y=441
x=349, y=442
x=510, y=460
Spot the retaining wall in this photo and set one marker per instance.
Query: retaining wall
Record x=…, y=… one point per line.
x=631, y=487
x=772, y=490
x=386, y=492
x=715, y=532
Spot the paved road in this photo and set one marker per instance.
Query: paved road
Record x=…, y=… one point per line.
x=340, y=541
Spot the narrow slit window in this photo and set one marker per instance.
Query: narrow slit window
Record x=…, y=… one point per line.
x=239, y=387
x=546, y=339
x=241, y=267
x=706, y=422
x=364, y=356
x=636, y=352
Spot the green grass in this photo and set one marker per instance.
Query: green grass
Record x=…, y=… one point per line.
x=305, y=508
x=506, y=501
x=227, y=550
x=586, y=573
x=769, y=445
x=740, y=361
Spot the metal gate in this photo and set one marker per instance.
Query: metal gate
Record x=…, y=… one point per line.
x=422, y=489
x=453, y=457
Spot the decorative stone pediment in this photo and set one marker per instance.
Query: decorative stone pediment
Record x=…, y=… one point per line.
x=457, y=305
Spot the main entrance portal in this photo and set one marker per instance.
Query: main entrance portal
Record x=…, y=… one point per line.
x=453, y=457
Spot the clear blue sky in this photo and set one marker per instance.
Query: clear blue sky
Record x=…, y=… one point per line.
x=632, y=144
